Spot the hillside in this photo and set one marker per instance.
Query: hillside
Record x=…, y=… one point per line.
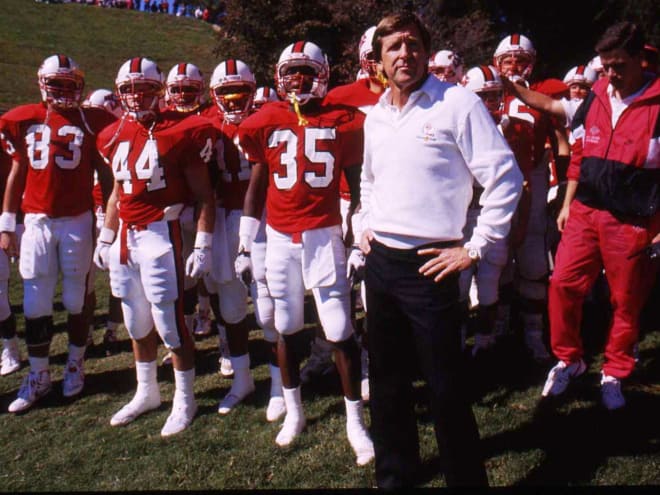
x=100, y=40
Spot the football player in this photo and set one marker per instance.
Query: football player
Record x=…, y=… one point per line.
x=10, y=360
x=263, y=95
x=528, y=132
x=159, y=162
x=53, y=161
x=108, y=101
x=299, y=148
x=447, y=66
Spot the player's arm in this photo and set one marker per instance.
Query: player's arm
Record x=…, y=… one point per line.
x=536, y=100
x=111, y=220
x=197, y=178
x=352, y=174
x=11, y=204
x=105, y=177
x=109, y=230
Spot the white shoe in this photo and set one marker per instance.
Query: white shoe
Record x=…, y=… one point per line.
x=276, y=409
x=74, y=378
x=359, y=439
x=611, y=394
x=34, y=387
x=11, y=360
x=236, y=394
x=560, y=376
x=226, y=369
x=179, y=419
x=293, y=425
x=136, y=407
x=202, y=323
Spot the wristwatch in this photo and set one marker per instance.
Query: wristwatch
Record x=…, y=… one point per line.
x=472, y=252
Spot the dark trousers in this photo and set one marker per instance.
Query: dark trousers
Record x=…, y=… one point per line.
x=414, y=323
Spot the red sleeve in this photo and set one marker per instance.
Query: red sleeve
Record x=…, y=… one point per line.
x=9, y=138
x=249, y=143
x=352, y=145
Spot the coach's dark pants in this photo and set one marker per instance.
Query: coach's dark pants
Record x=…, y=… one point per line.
x=414, y=323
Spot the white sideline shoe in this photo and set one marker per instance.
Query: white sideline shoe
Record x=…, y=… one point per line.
x=34, y=387
x=226, y=368
x=11, y=360
x=294, y=421
x=610, y=388
x=202, y=323
x=136, y=407
x=74, y=378
x=357, y=433
x=236, y=394
x=179, y=419
x=276, y=409
x=560, y=376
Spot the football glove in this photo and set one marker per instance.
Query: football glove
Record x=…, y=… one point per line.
x=355, y=264
x=198, y=263
x=243, y=267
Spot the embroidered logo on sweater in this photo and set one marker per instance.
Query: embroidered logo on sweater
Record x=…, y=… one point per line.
x=428, y=133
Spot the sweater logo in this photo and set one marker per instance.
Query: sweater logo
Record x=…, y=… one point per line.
x=428, y=133
x=593, y=135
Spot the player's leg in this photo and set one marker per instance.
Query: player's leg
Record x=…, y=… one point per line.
x=11, y=360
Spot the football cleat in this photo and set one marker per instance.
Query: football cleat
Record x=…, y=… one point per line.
x=560, y=376
x=137, y=406
x=34, y=387
x=240, y=389
x=202, y=323
x=74, y=378
x=179, y=419
x=11, y=360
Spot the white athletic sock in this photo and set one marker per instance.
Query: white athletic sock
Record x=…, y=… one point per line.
x=275, y=381
x=184, y=386
x=76, y=353
x=38, y=364
x=147, y=380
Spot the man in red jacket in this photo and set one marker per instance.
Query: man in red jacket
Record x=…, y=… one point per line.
x=610, y=214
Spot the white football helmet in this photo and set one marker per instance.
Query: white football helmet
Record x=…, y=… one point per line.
x=61, y=81
x=597, y=66
x=311, y=78
x=368, y=63
x=140, y=86
x=485, y=82
x=581, y=74
x=185, y=87
x=232, y=88
x=264, y=94
x=447, y=66
x=104, y=99
x=519, y=46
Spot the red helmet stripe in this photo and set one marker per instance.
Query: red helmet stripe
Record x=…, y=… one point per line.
x=181, y=69
x=64, y=61
x=231, y=67
x=299, y=47
x=266, y=91
x=580, y=70
x=136, y=64
x=488, y=74
x=515, y=39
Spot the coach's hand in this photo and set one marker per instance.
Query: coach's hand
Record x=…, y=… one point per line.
x=243, y=267
x=445, y=262
x=198, y=263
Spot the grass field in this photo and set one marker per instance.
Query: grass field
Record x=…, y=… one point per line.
x=69, y=445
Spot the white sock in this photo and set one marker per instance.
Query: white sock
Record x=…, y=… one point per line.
x=353, y=410
x=147, y=380
x=275, y=381
x=241, y=367
x=183, y=386
x=38, y=364
x=293, y=402
x=76, y=353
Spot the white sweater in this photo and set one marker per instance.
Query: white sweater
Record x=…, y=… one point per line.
x=419, y=164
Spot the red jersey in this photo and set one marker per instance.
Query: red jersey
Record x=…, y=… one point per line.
x=150, y=165
x=5, y=166
x=233, y=167
x=60, y=151
x=304, y=162
x=526, y=133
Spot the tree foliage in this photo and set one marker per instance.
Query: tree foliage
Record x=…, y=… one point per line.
x=564, y=35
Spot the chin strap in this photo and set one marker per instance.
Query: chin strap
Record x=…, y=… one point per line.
x=302, y=121
x=381, y=79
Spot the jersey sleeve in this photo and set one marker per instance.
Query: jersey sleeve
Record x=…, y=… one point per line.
x=9, y=138
x=202, y=144
x=352, y=144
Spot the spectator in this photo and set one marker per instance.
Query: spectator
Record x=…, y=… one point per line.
x=412, y=235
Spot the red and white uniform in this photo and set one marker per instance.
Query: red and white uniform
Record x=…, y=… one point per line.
x=233, y=179
x=58, y=148
x=527, y=132
x=146, y=264
x=304, y=239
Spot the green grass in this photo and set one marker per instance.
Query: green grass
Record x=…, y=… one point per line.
x=69, y=444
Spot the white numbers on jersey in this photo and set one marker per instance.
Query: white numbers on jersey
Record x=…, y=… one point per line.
x=9, y=147
x=207, y=151
x=147, y=167
x=520, y=111
x=227, y=175
x=38, y=144
x=288, y=157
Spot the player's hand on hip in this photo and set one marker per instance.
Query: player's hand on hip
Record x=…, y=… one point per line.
x=355, y=264
x=243, y=268
x=198, y=263
x=445, y=261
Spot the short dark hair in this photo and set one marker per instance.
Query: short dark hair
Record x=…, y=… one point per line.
x=625, y=35
x=395, y=22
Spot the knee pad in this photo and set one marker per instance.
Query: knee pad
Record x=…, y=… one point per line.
x=38, y=298
x=167, y=323
x=74, y=290
x=270, y=335
x=38, y=331
x=232, y=299
x=137, y=317
x=334, y=314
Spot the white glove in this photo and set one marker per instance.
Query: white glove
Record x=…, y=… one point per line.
x=198, y=263
x=102, y=250
x=355, y=264
x=243, y=267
